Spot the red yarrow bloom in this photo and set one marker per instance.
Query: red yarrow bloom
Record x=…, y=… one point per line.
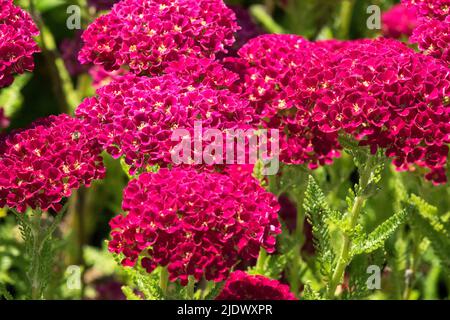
x=433, y=38
x=380, y=91
x=433, y=9
x=146, y=35
x=399, y=21
x=281, y=76
x=242, y=286
x=194, y=223
x=135, y=117
x=101, y=77
x=16, y=42
x=390, y=97
x=41, y=165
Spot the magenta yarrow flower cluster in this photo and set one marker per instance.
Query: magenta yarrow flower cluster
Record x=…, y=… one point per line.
x=242, y=286
x=146, y=35
x=433, y=30
x=41, y=165
x=282, y=76
x=399, y=21
x=135, y=117
x=101, y=77
x=201, y=225
x=16, y=42
x=380, y=91
x=388, y=96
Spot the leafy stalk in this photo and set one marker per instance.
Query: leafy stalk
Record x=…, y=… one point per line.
x=369, y=168
x=37, y=235
x=343, y=259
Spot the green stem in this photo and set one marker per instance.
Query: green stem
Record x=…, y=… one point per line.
x=260, y=263
x=33, y=275
x=343, y=259
x=164, y=280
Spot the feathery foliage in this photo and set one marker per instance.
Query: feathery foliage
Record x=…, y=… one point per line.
x=318, y=213
x=376, y=239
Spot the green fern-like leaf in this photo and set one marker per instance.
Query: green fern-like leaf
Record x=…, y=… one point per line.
x=432, y=229
x=358, y=287
x=4, y=292
x=318, y=212
x=376, y=238
x=430, y=213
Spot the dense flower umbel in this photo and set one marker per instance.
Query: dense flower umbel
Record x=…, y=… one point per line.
x=198, y=224
x=135, y=116
x=399, y=21
x=433, y=31
x=380, y=91
x=282, y=76
x=433, y=38
x=145, y=35
x=242, y=286
x=101, y=77
x=41, y=165
x=16, y=42
x=434, y=9
x=390, y=97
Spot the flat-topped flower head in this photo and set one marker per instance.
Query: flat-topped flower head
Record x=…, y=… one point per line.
x=4, y=120
x=16, y=42
x=433, y=29
x=380, y=91
x=399, y=21
x=282, y=75
x=136, y=117
x=242, y=286
x=388, y=96
x=41, y=165
x=145, y=35
x=195, y=223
